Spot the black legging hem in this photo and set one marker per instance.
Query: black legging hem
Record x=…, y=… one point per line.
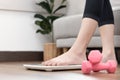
x=106, y=22
x=97, y=19
x=91, y=16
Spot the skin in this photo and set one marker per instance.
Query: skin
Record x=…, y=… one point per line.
x=76, y=54
x=107, y=37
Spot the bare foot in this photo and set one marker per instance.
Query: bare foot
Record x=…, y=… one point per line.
x=66, y=59
x=109, y=56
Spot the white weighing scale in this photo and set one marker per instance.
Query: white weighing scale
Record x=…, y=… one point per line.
x=51, y=68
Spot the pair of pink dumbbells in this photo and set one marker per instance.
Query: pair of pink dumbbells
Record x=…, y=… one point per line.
x=94, y=63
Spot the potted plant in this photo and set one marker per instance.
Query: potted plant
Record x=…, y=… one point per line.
x=45, y=23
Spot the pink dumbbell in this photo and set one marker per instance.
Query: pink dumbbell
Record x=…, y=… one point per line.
x=94, y=63
x=95, y=56
x=110, y=66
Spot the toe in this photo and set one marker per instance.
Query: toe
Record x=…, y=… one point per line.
x=60, y=63
x=54, y=64
x=45, y=63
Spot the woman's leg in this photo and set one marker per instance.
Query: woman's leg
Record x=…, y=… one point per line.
x=76, y=53
x=107, y=31
x=107, y=36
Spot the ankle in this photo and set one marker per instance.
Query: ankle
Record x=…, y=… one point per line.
x=109, y=55
x=78, y=52
x=108, y=52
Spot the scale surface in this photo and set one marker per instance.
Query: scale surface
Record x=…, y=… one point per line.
x=51, y=68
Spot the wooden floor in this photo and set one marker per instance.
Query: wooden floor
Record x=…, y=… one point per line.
x=15, y=71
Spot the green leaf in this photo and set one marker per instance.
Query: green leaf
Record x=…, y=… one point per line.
x=39, y=16
x=52, y=18
x=60, y=7
x=47, y=24
x=44, y=27
x=37, y=22
x=42, y=24
x=46, y=6
x=42, y=31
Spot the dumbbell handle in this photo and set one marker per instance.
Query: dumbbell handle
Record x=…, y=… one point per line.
x=110, y=66
x=100, y=66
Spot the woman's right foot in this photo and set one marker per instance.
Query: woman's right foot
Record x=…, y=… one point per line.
x=67, y=58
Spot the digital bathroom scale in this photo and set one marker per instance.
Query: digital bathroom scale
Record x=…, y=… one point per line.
x=51, y=68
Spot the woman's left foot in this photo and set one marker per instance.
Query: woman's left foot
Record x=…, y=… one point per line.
x=109, y=56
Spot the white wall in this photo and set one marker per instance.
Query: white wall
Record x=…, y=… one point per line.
x=17, y=29
x=20, y=5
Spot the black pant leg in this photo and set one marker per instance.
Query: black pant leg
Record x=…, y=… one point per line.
x=99, y=10
x=106, y=14
x=93, y=9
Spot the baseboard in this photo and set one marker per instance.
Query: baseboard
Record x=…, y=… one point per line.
x=21, y=56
